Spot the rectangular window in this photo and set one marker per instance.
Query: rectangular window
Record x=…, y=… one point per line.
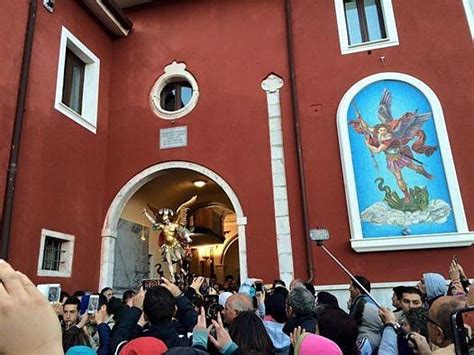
x=77, y=84
x=365, y=25
x=73, y=85
x=52, y=254
x=55, y=254
x=364, y=21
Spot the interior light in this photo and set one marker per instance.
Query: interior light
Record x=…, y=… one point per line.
x=199, y=183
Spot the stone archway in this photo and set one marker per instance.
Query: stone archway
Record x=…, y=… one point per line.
x=109, y=230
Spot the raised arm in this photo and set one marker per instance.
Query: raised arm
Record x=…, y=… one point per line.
x=149, y=217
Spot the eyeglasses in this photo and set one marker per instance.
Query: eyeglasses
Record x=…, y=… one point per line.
x=425, y=318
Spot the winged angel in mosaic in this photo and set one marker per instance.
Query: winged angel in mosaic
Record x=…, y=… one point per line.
x=398, y=139
x=174, y=237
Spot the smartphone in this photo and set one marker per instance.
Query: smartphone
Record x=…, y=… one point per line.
x=455, y=259
x=462, y=322
x=84, y=303
x=258, y=286
x=213, y=306
x=93, y=304
x=149, y=283
x=52, y=292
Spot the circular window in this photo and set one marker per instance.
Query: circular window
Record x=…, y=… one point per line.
x=175, y=93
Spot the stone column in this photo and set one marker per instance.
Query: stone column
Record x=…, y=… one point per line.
x=272, y=85
x=241, y=223
x=107, y=260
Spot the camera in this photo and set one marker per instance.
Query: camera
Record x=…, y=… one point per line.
x=462, y=322
x=211, y=303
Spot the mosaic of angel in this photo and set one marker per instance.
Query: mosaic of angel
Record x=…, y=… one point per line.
x=398, y=139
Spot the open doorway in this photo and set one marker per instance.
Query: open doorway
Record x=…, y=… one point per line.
x=214, y=222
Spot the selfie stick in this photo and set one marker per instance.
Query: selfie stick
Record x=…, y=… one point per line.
x=320, y=243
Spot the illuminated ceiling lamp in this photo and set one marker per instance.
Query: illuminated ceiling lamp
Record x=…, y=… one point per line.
x=199, y=183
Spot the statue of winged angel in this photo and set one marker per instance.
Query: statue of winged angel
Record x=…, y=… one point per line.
x=173, y=233
x=393, y=138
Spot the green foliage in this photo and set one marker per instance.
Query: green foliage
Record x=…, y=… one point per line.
x=419, y=198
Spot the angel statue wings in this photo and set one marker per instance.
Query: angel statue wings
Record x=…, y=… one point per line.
x=398, y=139
x=174, y=236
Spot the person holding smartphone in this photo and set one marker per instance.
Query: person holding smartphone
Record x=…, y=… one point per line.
x=459, y=282
x=440, y=329
x=72, y=326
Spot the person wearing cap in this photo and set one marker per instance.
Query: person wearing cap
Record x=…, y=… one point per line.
x=223, y=297
x=81, y=350
x=306, y=343
x=432, y=286
x=144, y=346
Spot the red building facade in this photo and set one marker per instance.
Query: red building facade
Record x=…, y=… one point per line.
x=68, y=176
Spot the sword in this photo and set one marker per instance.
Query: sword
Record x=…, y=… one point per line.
x=411, y=158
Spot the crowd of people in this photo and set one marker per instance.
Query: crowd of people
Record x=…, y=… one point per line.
x=228, y=318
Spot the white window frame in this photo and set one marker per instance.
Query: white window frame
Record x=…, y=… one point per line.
x=65, y=267
x=172, y=72
x=469, y=9
x=390, y=29
x=463, y=237
x=90, y=97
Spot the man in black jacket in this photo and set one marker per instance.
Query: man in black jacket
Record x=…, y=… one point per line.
x=159, y=305
x=300, y=311
x=72, y=327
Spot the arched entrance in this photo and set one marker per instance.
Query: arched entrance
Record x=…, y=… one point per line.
x=110, y=228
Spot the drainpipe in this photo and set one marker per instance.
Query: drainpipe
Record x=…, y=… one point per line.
x=297, y=128
x=17, y=130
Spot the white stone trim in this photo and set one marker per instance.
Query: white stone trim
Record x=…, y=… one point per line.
x=272, y=85
x=446, y=240
x=373, y=285
x=66, y=257
x=469, y=9
x=381, y=291
x=90, y=97
x=462, y=238
x=109, y=230
x=390, y=29
x=173, y=71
